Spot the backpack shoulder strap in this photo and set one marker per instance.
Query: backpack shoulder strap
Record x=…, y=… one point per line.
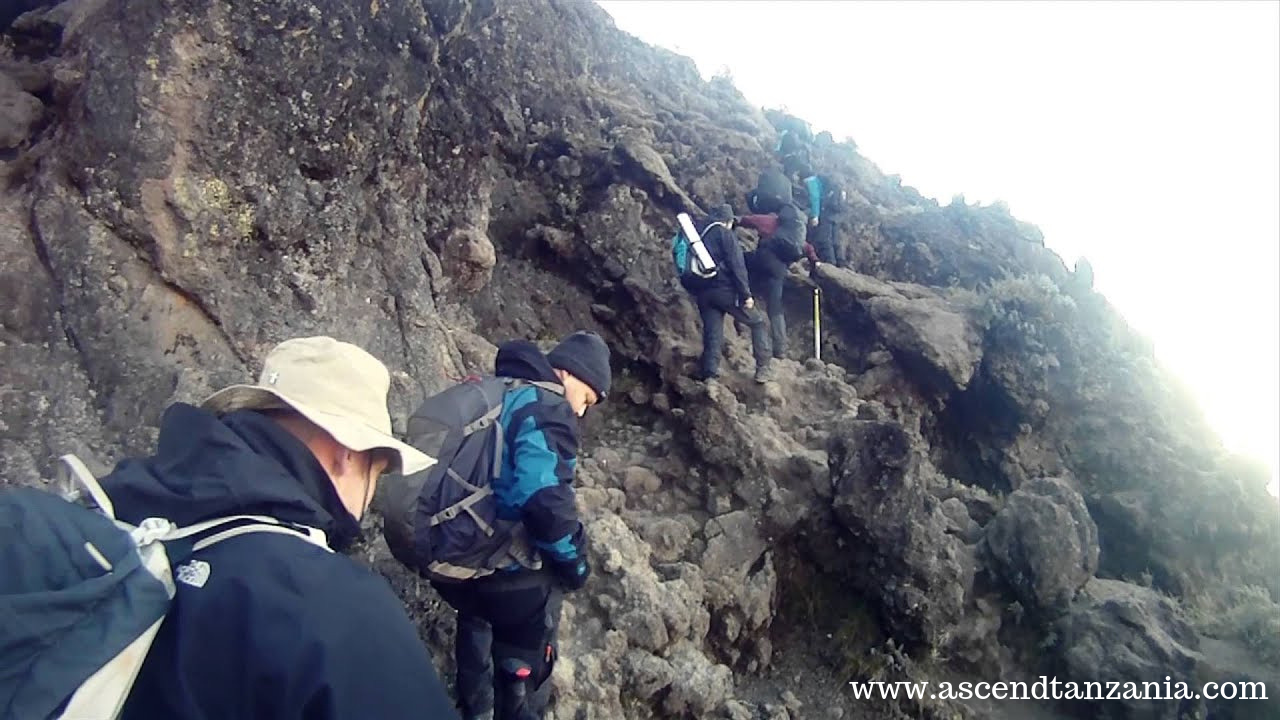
x=74, y=475
x=181, y=542
x=551, y=387
x=247, y=524
x=74, y=472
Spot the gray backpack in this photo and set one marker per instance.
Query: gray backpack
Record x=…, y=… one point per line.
x=443, y=522
x=82, y=595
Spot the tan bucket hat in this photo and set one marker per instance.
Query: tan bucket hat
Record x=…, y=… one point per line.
x=336, y=385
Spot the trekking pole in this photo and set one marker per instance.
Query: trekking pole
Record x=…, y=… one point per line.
x=817, y=325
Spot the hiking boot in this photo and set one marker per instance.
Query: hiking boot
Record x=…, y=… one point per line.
x=701, y=376
x=764, y=374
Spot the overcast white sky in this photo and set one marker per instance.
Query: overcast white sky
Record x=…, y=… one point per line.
x=1142, y=135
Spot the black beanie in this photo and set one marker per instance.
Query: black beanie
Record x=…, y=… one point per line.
x=585, y=356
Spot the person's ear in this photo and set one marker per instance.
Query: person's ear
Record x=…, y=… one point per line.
x=325, y=451
x=345, y=460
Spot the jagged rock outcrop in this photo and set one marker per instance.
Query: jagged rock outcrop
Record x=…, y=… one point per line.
x=202, y=180
x=917, y=325
x=882, y=496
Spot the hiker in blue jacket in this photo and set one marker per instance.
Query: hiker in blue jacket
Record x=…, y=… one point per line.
x=509, y=619
x=826, y=201
x=270, y=625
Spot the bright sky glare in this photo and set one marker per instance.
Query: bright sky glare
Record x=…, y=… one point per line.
x=1142, y=135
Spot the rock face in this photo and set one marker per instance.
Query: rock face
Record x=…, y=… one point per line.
x=19, y=113
x=187, y=183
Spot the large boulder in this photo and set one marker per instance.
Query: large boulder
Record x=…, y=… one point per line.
x=1044, y=544
x=1124, y=633
x=741, y=583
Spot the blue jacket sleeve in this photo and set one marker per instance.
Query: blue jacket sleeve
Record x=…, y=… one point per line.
x=544, y=453
x=813, y=184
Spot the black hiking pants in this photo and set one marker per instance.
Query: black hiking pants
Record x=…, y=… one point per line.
x=823, y=239
x=767, y=274
x=506, y=621
x=713, y=304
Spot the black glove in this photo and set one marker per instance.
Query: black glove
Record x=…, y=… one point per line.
x=572, y=574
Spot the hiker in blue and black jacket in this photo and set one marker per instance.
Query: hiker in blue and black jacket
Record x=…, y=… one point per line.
x=510, y=618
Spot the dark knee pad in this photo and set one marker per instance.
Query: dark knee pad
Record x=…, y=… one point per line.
x=523, y=681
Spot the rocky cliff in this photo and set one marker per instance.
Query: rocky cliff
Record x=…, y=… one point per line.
x=987, y=476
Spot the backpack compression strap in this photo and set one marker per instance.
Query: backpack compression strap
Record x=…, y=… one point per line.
x=72, y=472
x=464, y=505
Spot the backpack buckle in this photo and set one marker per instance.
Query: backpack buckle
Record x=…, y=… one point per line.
x=151, y=530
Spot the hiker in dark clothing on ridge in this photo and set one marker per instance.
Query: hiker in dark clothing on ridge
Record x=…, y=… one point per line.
x=510, y=618
x=729, y=292
x=794, y=138
x=272, y=625
x=781, y=243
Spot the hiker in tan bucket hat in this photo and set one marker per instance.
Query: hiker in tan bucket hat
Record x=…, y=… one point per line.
x=276, y=624
x=340, y=390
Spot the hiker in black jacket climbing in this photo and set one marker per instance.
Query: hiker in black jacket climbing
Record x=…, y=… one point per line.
x=781, y=243
x=269, y=625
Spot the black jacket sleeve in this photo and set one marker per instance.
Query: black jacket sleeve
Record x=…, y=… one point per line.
x=735, y=267
x=365, y=659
